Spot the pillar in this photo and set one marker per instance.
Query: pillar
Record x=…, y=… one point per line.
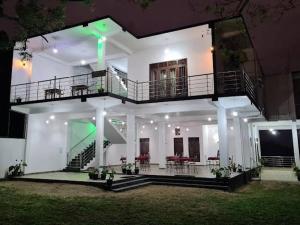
x=238, y=141
x=99, y=156
x=101, y=48
x=295, y=143
x=162, y=144
x=223, y=136
x=131, y=138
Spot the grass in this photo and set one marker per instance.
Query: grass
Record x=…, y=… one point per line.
x=258, y=203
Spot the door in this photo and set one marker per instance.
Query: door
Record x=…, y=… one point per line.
x=178, y=146
x=168, y=79
x=144, y=146
x=194, y=148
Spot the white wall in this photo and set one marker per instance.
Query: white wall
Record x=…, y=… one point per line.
x=114, y=154
x=40, y=68
x=197, y=52
x=10, y=151
x=46, y=144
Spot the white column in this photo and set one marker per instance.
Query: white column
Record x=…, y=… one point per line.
x=223, y=136
x=162, y=144
x=131, y=138
x=295, y=143
x=238, y=159
x=101, y=50
x=99, y=156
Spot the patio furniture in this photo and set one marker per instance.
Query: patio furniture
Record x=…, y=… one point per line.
x=79, y=89
x=144, y=161
x=214, y=160
x=52, y=92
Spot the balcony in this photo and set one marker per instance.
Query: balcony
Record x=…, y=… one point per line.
x=105, y=83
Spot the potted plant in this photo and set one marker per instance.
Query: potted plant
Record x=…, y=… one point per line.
x=239, y=168
x=123, y=167
x=128, y=169
x=94, y=174
x=100, y=90
x=222, y=172
x=136, y=170
x=233, y=167
x=109, y=181
x=297, y=172
x=217, y=172
x=103, y=173
x=18, y=99
x=16, y=170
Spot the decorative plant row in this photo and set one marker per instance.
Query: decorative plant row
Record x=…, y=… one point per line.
x=105, y=174
x=16, y=170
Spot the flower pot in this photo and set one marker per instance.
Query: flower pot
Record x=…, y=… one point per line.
x=136, y=170
x=93, y=176
x=19, y=100
x=128, y=172
x=234, y=170
x=109, y=183
x=103, y=176
x=124, y=170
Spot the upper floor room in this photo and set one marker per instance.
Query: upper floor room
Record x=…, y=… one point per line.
x=102, y=58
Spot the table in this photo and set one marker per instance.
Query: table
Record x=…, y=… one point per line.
x=79, y=88
x=52, y=92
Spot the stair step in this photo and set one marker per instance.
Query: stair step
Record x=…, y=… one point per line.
x=126, y=188
x=219, y=187
x=130, y=182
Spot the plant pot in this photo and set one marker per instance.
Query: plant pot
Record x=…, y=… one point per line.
x=218, y=176
x=128, y=172
x=234, y=170
x=137, y=171
x=103, y=176
x=93, y=176
x=100, y=91
x=19, y=100
x=240, y=170
x=109, y=183
x=124, y=170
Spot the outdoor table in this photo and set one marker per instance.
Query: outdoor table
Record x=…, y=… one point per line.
x=79, y=88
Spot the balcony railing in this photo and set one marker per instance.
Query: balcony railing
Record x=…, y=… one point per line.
x=107, y=83
x=278, y=161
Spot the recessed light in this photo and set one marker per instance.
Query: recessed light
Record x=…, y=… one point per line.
x=55, y=50
x=187, y=129
x=209, y=119
x=151, y=121
x=52, y=117
x=94, y=118
x=143, y=126
x=47, y=121
x=169, y=125
x=104, y=38
x=104, y=113
x=178, y=127
x=83, y=62
x=123, y=123
x=235, y=113
x=66, y=123
x=155, y=128
x=167, y=51
x=167, y=117
x=231, y=128
x=245, y=120
x=110, y=120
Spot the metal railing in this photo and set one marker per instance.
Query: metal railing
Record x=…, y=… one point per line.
x=228, y=83
x=278, y=161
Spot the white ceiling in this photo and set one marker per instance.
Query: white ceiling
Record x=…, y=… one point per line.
x=80, y=42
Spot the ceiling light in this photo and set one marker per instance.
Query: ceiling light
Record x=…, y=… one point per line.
x=167, y=51
x=83, y=62
x=209, y=119
x=235, y=113
x=212, y=48
x=123, y=123
x=187, y=129
x=55, y=50
x=245, y=120
x=94, y=118
x=274, y=132
x=178, y=127
x=66, y=123
x=167, y=117
x=47, y=121
x=141, y=131
x=110, y=120
x=143, y=126
x=52, y=117
x=151, y=121
x=104, y=113
x=169, y=125
x=155, y=128
x=271, y=129
x=104, y=38
x=231, y=128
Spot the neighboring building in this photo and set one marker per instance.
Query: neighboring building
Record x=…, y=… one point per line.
x=95, y=94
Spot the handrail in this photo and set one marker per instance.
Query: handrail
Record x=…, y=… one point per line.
x=82, y=140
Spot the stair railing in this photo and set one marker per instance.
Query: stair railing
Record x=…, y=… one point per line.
x=81, y=145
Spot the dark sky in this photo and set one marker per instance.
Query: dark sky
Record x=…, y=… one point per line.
x=276, y=39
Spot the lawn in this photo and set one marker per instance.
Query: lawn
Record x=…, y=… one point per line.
x=258, y=203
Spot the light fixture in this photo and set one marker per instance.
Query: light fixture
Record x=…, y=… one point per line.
x=151, y=121
x=103, y=38
x=47, y=121
x=66, y=123
x=121, y=130
x=123, y=123
x=167, y=51
x=83, y=62
x=212, y=48
x=167, y=117
x=271, y=129
x=187, y=129
x=104, y=113
x=155, y=128
x=274, y=132
x=245, y=120
x=110, y=120
x=55, y=50
x=52, y=117
x=178, y=127
x=235, y=113
x=94, y=118
x=143, y=126
x=169, y=125
x=231, y=128
x=209, y=119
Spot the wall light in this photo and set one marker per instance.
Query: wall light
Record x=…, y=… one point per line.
x=245, y=120
x=104, y=113
x=94, y=118
x=187, y=129
x=52, y=117
x=83, y=62
x=123, y=123
x=167, y=117
x=55, y=50
x=110, y=120
x=151, y=121
x=235, y=113
x=209, y=119
x=66, y=123
x=169, y=125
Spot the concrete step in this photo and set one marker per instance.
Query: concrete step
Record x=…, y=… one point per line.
x=130, y=187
